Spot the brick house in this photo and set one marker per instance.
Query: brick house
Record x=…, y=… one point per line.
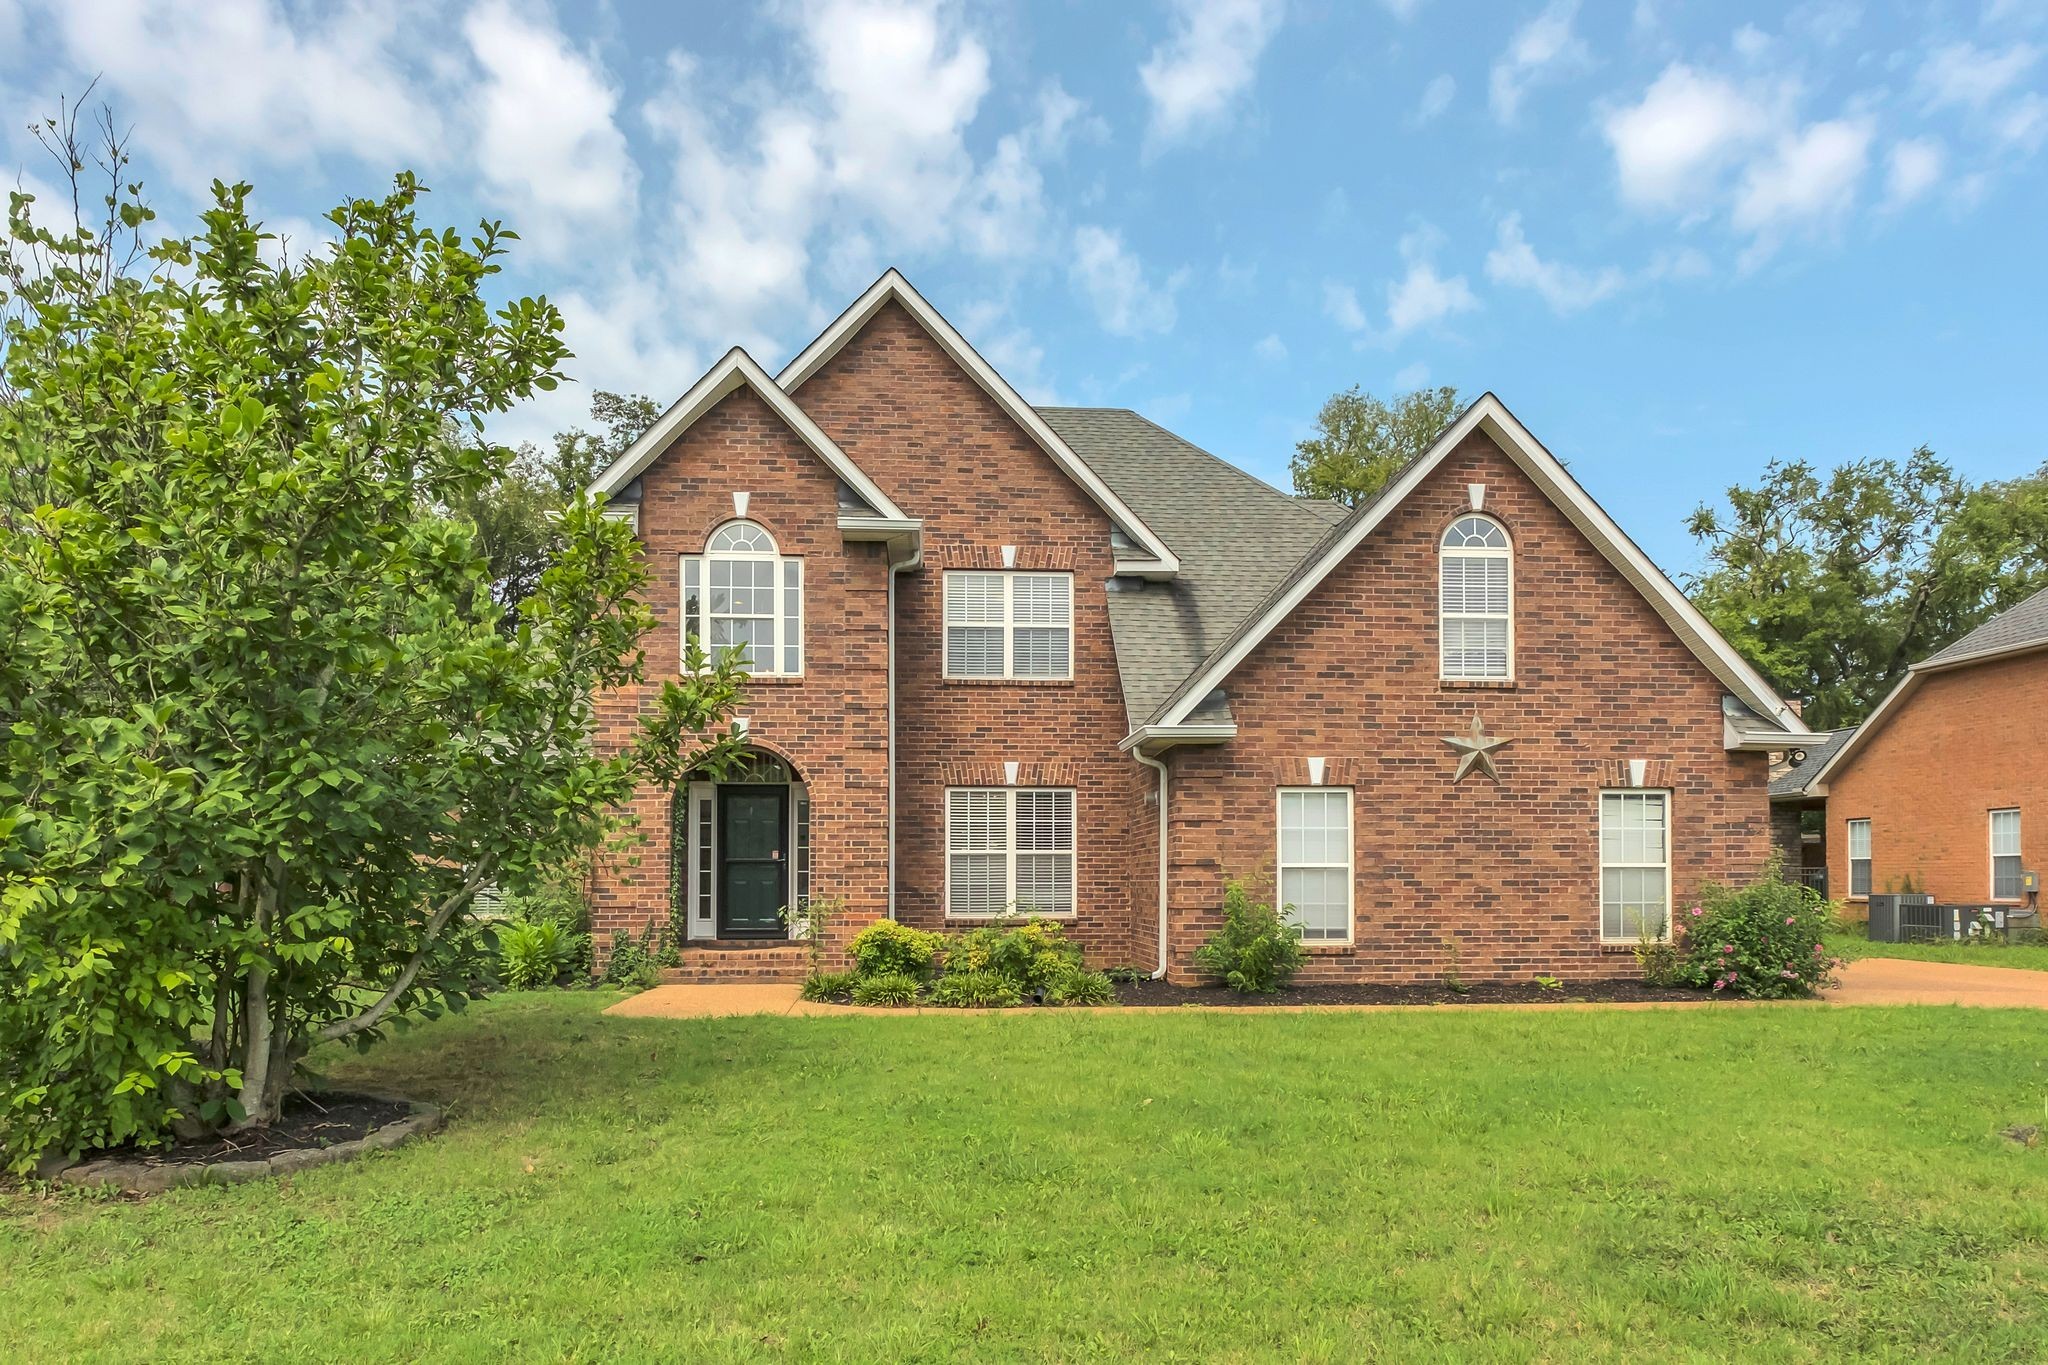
x=1059, y=660
x=1937, y=786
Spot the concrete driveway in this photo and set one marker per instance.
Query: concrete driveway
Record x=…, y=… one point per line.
x=1898, y=981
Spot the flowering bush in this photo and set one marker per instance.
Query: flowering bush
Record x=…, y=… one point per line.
x=1761, y=941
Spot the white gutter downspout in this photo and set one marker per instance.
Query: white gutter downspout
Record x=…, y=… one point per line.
x=916, y=559
x=1159, y=767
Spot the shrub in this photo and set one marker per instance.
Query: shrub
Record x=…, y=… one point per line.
x=828, y=985
x=1657, y=957
x=1030, y=954
x=533, y=954
x=1761, y=941
x=812, y=922
x=888, y=948
x=633, y=963
x=976, y=990
x=885, y=988
x=1255, y=951
x=1077, y=986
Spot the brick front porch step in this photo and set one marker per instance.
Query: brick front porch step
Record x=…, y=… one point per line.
x=739, y=963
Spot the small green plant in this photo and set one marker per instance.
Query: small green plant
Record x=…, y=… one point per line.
x=812, y=922
x=1078, y=986
x=1656, y=954
x=886, y=988
x=1453, y=973
x=828, y=985
x=1030, y=953
x=634, y=963
x=890, y=948
x=557, y=899
x=1762, y=941
x=532, y=955
x=1255, y=952
x=1549, y=983
x=976, y=990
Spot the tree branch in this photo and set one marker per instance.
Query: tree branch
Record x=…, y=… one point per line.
x=371, y=1017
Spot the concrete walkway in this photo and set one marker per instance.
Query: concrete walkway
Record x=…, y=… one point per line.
x=1900, y=981
x=1871, y=981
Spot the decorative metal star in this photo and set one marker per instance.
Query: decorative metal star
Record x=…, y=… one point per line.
x=1475, y=751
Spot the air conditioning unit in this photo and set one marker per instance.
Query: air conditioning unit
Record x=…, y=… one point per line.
x=1902, y=916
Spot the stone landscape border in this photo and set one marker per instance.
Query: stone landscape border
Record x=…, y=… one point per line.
x=142, y=1176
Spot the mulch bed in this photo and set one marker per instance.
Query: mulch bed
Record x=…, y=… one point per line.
x=1478, y=993
x=308, y=1121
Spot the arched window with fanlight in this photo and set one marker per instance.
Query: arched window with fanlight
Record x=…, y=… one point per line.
x=1475, y=602
x=743, y=594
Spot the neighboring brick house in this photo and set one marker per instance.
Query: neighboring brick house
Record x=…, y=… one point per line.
x=1943, y=786
x=994, y=644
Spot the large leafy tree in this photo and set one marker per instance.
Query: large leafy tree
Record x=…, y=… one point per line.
x=265, y=736
x=1361, y=441
x=1835, y=583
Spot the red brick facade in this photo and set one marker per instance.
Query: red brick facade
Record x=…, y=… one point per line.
x=1966, y=742
x=1510, y=871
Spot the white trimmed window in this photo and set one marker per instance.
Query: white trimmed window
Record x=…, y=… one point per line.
x=1009, y=625
x=1009, y=849
x=1859, y=857
x=1315, y=861
x=741, y=595
x=1635, y=865
x=2005, y=855
x=1475, y=601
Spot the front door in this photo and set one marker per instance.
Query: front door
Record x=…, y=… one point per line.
x=753, y=861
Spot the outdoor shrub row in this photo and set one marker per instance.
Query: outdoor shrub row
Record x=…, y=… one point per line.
x=993, y=966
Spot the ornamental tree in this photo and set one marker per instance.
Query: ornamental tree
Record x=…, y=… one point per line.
x=264, y=735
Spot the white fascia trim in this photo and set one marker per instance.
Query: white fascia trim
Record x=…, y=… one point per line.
x=1160, y=561
x=1153, y=738
x=1492, y=416
x=628, y=512
x=736, y=370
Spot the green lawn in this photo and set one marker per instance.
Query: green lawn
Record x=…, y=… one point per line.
x=1853, y=943
x=1788, y=1183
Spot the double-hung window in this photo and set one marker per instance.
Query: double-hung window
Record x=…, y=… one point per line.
x=1475, y=602
x=1009, y=625
x=1635, y=865
x=1315, y=861
x=2005, y=855
x=1009, y=850
x=1859, y=857
x=741, y=595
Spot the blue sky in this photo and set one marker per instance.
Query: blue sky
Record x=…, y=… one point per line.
x=1677, y=240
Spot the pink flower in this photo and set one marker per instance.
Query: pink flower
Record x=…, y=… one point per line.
x=1788, y=919
x=1695, y=912
x=1719, y=984
x=1727, y=947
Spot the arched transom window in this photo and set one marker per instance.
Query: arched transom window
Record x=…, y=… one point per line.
x=741, y=594
x=1476, y=601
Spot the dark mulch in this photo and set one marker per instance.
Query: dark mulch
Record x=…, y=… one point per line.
x=309, y=1121
x=1478, y=993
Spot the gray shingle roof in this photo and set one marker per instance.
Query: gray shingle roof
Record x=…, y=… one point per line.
x=1793, y=781
x=1236, y=536
x=2017, y=627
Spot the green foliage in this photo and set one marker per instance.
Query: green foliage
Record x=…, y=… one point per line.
x=1361, y=441
x=634, y=964
x=1030, y=954
x=812, y=922
x=1657, y=959
x=267, y=731
x=1453, y=974
x=1764, y=941
x=1834, y=584
x=1549, y=983
x=886, y=988
x=557, y=899
x=976, y=990
x=1255, y=951
x=828, y=985
x=891, y=948
x=1077, y=986
x=533, y=954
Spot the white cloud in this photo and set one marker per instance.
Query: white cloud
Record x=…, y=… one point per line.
x=2024, y=123
x=1810, y=176
x=1401, y=9
x=1009, y=347
x=1968, y=76
x=1566, y=288
x=1436, y=97
x=1912, y=169
x=1271, y=349
x=1670, y=146
x=1193, y=78
x=1542, y=48
x=1422, y=297
x=1409, y=378
x=546, y=142
x=1113, y=281
x=1340, y=305
x=1004, y=215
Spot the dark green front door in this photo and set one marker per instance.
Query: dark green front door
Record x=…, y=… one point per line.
x=753, y=861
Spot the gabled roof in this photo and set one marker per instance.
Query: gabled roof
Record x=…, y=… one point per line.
x=1491, y=416
x=1236, y=535
x=1153, y=558
x=1795, y=781
x=736, y=371
x=2019, y=629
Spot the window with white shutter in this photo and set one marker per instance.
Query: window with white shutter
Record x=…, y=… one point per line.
x=1009, y=850
x=1009, y=624
x=1475, y=601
